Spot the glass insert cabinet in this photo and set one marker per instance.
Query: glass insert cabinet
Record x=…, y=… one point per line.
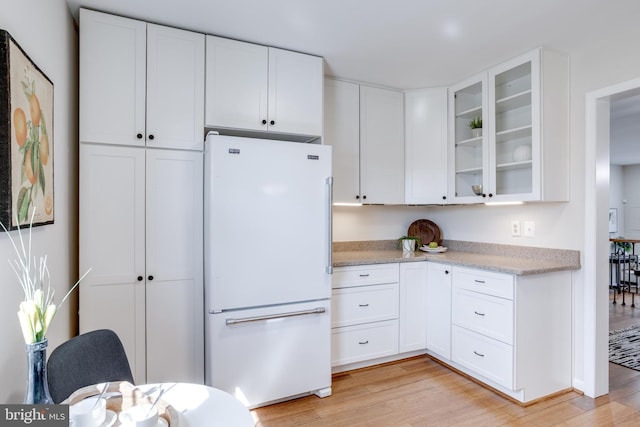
x=505, y=160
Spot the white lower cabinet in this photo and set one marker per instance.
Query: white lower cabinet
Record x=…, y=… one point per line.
x=439, y=309
x=512, y=332
x=376, y=312
x=364, y=307
x=487, y=357
x=413, y=307
x=356, y=343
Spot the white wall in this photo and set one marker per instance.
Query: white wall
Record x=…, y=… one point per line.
x=630, y=202
x=44, y=29
x=616, y=196
x=477, y=223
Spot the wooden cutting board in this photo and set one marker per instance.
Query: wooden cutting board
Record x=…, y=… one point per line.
x=427, y=231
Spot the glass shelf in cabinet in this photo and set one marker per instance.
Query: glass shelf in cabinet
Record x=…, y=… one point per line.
x=469, y=114
x=512, y=102
x=515, y=133
x=526, y=164
x=471, y=142
x=469, y=171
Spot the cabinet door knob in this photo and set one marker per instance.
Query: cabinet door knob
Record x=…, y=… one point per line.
x=140, y=278
x=357, y=196
x=446, y=272
x=264, y=122
x=272, y=122
x=490, y=194
x=151, y=137
x=484, y=195
x=444, y=197
x=150, y=277
x=364, y=197
x=139, y=136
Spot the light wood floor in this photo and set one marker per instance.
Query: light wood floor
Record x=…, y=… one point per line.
x=421, y=392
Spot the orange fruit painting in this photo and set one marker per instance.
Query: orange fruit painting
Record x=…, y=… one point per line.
x=31, y=109
x=20, y=126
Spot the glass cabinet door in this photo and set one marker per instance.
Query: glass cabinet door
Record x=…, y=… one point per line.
x=469, y=144
x=512, y=130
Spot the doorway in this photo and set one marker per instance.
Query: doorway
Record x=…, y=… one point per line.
x=596, y=239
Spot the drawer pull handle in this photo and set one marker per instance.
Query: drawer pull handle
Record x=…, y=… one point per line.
x=363, y=305
x=478, y=354
x=479, y=314
x=479, y=281
x=364, y=275
x=363, y=342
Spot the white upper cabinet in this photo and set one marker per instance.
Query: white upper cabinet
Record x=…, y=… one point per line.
x=365, y=126
x=381, y=146
x=259, y=88
x=522, y=154
x=426, y=169
x=468, y=151
x=140, y=84
x=529, y=99
x=175, y=88
x=342, y=132
x=237, y=84
x=295, y=92
x=112, y=78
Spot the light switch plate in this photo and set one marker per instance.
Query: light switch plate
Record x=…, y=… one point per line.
x=515, y=228
x=529, y=228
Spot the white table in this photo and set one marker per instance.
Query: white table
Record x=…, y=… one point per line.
x=201, y=406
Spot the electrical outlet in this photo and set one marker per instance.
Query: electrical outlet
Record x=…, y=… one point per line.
x=529, y=228
x=515, y=228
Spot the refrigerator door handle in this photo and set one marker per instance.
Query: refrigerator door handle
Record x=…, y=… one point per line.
x=329, y=268
x=317, y=310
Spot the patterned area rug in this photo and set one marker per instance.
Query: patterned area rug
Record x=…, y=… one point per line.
x=624, y=347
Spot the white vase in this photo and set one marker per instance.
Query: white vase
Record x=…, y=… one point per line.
x=476, y=132
x=408, y=245
x=522, y=153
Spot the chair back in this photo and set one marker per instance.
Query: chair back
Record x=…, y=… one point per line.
x=90, y=358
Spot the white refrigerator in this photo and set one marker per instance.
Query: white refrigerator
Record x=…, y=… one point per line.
x=267, y=268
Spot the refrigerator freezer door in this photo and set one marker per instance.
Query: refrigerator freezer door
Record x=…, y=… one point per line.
x=261, y=361
x=267, y=222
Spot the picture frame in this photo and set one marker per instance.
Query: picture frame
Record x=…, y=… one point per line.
x=26, y=139
x=613, y=220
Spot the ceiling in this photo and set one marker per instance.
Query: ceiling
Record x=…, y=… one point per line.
x=403, y=44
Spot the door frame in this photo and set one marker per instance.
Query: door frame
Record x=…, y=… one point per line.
x=596, y=234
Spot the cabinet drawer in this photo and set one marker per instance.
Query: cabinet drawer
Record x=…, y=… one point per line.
x=359, y=275
x=363, y=304
x=363, y=342
x=487, y=357
x=485, y=314
x=486, y=282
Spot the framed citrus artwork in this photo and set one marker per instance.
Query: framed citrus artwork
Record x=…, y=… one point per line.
x=26, y=139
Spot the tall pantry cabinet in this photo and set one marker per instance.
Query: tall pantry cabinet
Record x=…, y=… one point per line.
x=141, y=166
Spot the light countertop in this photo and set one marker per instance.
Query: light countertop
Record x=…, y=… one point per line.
x=500, y=258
